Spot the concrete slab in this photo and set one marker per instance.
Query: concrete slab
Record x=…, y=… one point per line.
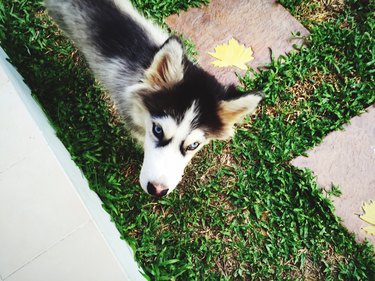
x=261, y=24
x=347, y=159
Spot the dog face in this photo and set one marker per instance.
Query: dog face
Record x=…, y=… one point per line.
x=181, y=108
x=169, y=145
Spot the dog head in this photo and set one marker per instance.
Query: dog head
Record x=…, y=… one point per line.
x=181, y=108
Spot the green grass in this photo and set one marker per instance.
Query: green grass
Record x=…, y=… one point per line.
x=242, y=211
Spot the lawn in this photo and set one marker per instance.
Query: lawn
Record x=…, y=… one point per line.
x=242, y=211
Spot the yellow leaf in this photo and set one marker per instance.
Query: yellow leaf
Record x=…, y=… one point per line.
x=232, y=54
x=369, y=229
x=369, y=216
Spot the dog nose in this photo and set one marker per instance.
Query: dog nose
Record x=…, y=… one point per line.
x=157, y=190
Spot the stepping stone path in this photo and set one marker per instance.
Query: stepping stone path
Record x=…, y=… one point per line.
x=259, y=24
x=345, y=158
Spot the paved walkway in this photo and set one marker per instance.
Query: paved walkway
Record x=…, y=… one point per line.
x=345, y=158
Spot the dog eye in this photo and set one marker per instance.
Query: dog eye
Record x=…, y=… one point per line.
x=157, y=131
x=193, y=146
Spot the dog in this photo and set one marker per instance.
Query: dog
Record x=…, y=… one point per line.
x=171, y=105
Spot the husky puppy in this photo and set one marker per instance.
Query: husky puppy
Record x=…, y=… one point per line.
x=171, y=105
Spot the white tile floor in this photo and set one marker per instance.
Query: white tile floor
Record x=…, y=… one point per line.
x=52, y=227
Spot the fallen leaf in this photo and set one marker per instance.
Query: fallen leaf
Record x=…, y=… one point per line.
x=232, y=54
x=369, y=229
x=369, y=216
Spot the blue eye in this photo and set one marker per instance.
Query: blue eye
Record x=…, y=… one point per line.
x=157, y=131
x=193, y=146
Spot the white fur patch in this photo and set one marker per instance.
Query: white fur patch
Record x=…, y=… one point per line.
x=165, y=165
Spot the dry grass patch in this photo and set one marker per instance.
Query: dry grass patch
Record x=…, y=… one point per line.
x=227, y=263
x=320, y=10
x=301, y=92
x=309, y=271
x=216, y=162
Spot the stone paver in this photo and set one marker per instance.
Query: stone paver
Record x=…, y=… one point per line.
x=347, y=159
x=261, y=24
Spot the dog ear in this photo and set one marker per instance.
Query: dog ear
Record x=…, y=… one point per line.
x=234, y=106
x=167, y=67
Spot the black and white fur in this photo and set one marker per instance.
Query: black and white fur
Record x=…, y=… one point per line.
x=171, y=106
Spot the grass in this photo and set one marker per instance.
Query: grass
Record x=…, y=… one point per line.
x=242, y=211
